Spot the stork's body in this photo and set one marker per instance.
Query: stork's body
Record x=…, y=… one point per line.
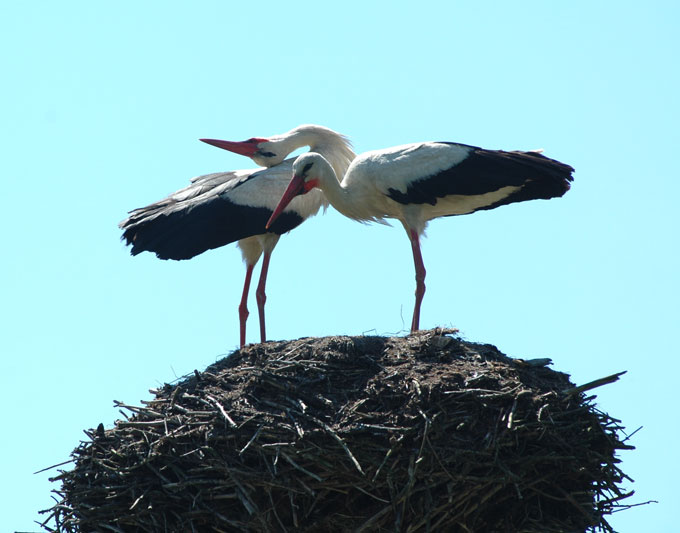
x=217, y=209
x=417, y=182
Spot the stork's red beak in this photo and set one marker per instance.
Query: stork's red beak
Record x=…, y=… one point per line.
x=248, y=148
x=295, y=188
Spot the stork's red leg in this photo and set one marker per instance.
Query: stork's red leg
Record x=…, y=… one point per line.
x=243, y=306
x=260, y=294
x=420, y=278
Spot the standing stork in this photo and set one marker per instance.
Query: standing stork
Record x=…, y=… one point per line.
x=217, y=209
x=415, y=183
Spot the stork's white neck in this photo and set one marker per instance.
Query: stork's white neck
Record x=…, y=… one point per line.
x=334, y=147
x=339, y=195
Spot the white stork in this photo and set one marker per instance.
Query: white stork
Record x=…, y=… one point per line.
x=217, y=209
x=415, y=183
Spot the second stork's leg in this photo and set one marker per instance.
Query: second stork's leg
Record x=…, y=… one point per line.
x=243, y=306
x=420, y=277
x=261, y=296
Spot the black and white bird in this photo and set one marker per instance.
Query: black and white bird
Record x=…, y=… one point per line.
x=415, y=183
x=217, y=209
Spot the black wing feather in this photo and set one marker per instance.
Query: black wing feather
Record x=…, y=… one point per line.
x=485, y=171
x=195, y=220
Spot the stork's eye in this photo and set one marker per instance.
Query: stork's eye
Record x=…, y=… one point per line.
x=266, y=154
x=306, y=168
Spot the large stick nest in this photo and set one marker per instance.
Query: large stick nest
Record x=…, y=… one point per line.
x=423, y=433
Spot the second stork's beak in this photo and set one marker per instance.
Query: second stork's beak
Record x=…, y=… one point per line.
x=295, y=188
x=247, y=148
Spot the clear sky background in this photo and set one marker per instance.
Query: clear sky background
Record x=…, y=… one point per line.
x=101, y=108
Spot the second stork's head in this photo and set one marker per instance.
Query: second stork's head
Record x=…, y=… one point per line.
x=263, y=151
x=270, y=151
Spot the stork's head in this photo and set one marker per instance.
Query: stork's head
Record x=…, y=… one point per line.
x=307, y=173
x=265, y=152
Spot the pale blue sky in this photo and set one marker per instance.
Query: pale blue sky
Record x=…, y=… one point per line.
x=102, y=107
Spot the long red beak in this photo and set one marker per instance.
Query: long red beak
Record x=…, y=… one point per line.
x=295, y=188
x=247, y=148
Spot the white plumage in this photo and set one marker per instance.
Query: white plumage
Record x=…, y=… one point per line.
x=220, y=208
x=415, y=183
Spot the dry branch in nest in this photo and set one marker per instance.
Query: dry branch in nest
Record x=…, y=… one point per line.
x=423, y=433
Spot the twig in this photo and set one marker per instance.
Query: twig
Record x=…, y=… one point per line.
x=224, y=413
x=54, y=466
x=252, y=439
x=340, y=441
x=295, y=465
x=594, y=384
